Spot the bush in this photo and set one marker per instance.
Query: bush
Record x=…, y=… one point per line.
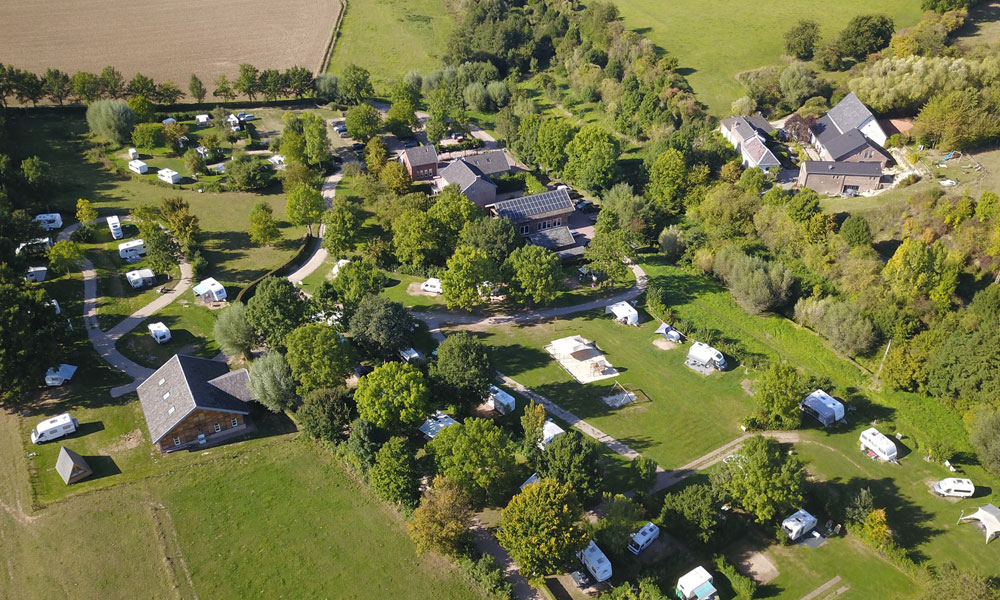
x=488, y=576
x=856, y=231
x=840, y=321
x=985, y=438
x=743, y=586
x=756, y=284
x=111, y=119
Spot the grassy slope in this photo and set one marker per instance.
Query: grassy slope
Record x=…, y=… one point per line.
x=392, y=37
x=716, y=39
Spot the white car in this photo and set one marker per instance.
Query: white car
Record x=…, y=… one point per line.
x=948, y=182
x=955, y=488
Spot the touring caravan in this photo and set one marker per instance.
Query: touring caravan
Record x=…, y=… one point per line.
x=595, y=561
x=202, y=120
x=34, y=245
x=210, y=290
x=133, y=154
x=877, y=445
x=168, y=175
x=643, y=538
x=160, y=332
x=132, y=249
x=55, y=377
x=697, y=585
x=798, y=524
x=823, y=407
x=500, y=401
x=54, y=428
x=703, y=355
x=115, y=226
x=550, y=431
x=140, y=278
x=36, y=274
x=137, y=166
x=50, y=221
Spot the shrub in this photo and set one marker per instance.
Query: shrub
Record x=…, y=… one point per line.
x=111, y=119
x=756, y=284
x=744, y=587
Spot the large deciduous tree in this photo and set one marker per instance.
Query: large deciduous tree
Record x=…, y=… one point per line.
x=463, y=280
x=535, y=274
x=691, y=513
x=318, y=356
x=233, y=332
x=762, y=479
x=573, y=458
x=341, y=225
x=463, y=371
x=395, y=476
x=271, y=382
x=380, y=326
x=478, y=456
x=197, y=88
x=355, y=84
x=275, y=310
x=363, y=122
x=441, y=522
x=31, y=336
x=801, y=39
x=263, y=226
x=866, y=34
x=554, y=135
x=394, y=396
x=305, y=206
x=778, y=392
x=496, y=237
x=325, y=414
x=591, y=158
x=111, y=119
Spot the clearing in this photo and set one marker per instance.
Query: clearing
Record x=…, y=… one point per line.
x=167, y=40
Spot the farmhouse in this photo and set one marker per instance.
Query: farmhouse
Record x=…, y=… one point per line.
x=421, y=162
x=71, y=466
x=471, y=181
x=840, y=178
x=194, y=401
x=853, y=146
x=849, y=114
x=490, y=163
x=559, y=240
x=748, y=135
x=531, y=214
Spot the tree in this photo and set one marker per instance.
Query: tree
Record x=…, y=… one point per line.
x=797, y=83
x=168, y=93
x=801, y=39
x=140, y=85
x=342, y=223
x=364, y=442
x=298, y=81
x=357, y=280
x=263, y=226
x=441, y=522
x=866, y=34
x=325, y=414
x=86, y=87
x=147, y=136
x=197, y=88
x=305, y=206
x=272, y=84
x=57, y=85
x=355, y=85
x=591, y=158
x=535, y=274
x=244, y=173
x=65, y=256
x=778, y=392
x=317, y=140
x=32, y=333
x=856, y=232
x=271, y=382
x=381, y=327
x=609, y=248
x=327, y=86
x=532, y=423
x=496, y=237
x=394, y=396
x=232, y=331
x=275, y=310
x=540, y=528
x=554, y=135
x=646, y=590
x=620, y=518
x=223, y=89
x=958, y=119
x=948, y=581
x=829, y=55
x=452, y=210
x=643, y=473
x=318, y=356
x=85, y=211
x=477, y=456
x=161, y=249
x=247, y=81
x=463, y=280
x=667, y=182
x=194, y=162
x=573, y=458
x=394, y=477
x=394, y=178
x=762, y=479
x=173, y=132
x=111, y=119
x=756, y=285
x=376, y=155
x=985, y=437
x=112, y=83
x=915, y=269
x=401, y=118
x=415, y=239
x=463, y=371
x=363, y=122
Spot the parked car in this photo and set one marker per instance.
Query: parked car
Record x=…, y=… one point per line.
x=410, y=144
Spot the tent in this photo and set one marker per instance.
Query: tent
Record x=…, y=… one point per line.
x=823, y=407
x=988, y=518
x=71, y=466
x=877, y=444
x=624, y=313
x=568, y=346
x=277, y=161
x=435, y=423
x=500, y=401
x=58, y=376
x=340, y=265
x=550, y=431
x=210, y=290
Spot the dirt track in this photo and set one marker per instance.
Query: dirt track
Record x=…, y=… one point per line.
x=166, y=40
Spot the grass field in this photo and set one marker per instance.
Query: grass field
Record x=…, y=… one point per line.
x=716, y=39
x=392, y=37
x=190, y=327
x=167, y=40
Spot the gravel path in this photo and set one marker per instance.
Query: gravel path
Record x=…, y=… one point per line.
x=319, y=255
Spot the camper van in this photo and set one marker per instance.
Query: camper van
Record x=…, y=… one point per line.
x=643, y=538
x=54, y=428
x=160, y=332
x=701, y=354
x=115, y=226
x=955, y=487
x=877, y=445
x=50, y=221
x=596, y=562
x=823, y=407
x=500, y=401
x=432, y=286
x=697, y=585
x=132, y=249
x=798, y=524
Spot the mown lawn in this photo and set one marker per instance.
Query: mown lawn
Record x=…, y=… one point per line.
x=289, y=522
x=714, y=40
x=190, y=327
x=392, y=37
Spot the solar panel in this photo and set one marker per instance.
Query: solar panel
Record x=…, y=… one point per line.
x=530, y=206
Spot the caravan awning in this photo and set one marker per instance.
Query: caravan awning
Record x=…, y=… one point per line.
x=989, y=517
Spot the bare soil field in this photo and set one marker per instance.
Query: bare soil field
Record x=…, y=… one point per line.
x=166, y=40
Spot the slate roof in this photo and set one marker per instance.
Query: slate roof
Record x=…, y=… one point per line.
x=463, y=174
x=759, y=153
x=539, y=206
x=421, y=155
x=490, y=163
x=850, y=113
x=748, y=127
x=847, y=144
x=554, y=238
x=759, y=123
x=186, y=383
x=825, y=130
x=71, y=466
x=858, y=169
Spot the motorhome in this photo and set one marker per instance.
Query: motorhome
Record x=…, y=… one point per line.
x=432, y=286
x=115, y=226
x=50, y=221
x=131, y=249
x=596, y=562
x=643, y=538
x=697, y=585
x=877, y=445
x=703, y=355
x=798, y=524
x=955, y=487
x=54, y=428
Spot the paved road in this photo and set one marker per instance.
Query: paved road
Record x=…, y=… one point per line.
x=319, y=255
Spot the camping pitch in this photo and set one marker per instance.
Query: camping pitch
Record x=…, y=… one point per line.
x=987, y=519
x=581, y=359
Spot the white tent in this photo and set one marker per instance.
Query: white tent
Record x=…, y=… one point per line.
x=168, y=175
x=988, y=518
x=210, y=290
x=277, y=161
x=879, y=445
x=432, y=285
x=500, y=401
x=696, y=585
x=669, y=332
x=550, y=431
x=340, y=265
x=435, y=423
x=160, y=332
x=569, y=345
x=624, y=313
x=55, y=377
x=823, y=407
x=137, y=166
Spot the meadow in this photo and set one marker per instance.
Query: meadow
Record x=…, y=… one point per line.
x=716, y=39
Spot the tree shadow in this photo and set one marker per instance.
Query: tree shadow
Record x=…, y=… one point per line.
x=516, y=359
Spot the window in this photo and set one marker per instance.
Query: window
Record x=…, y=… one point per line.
x=177, y=441
x=236, y=421
x=162, y=380
x=218, y=428
x=525, y=229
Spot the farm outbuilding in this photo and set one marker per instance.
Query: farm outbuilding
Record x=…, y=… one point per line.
x=210, y=290
x=435, y=423
x=169, y=176
x=823, y=407
x=624, y=313
x=71, y=466
x=987, y=518
x=137, y=166
x=877, y=445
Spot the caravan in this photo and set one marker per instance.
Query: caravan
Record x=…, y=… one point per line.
x=876, y=445
x=595, y=561
x=160, y=332
x=55, y=377
x=697, y=585
x=138, y=167
x=36, y=274
x=823, y=407
x=140, y=278
x=50, y=221
x=704, y=356
x=643, y=538
x=53, y=428
x=500, y=401
x=115, y=226
x=798, y=524
x=168, y=175
x=131, y=250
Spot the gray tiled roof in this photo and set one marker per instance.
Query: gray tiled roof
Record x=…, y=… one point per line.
x=759, y=123
x=539, y=206
x=421, y=155
x=851, y=142
x=850, y=113
x=825, y=130
x=826, y=167
x=759, y=153
x=185, y=383
x=554, y=238
x=462, y=174
x=71, y=466
x=490, y=163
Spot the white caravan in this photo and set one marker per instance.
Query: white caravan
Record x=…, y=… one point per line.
x=54, y=428
x=432, y=286
x=131, y=249
x=704, y=355
x=643, y=538
x=137, y=166
x=55, y=377
x=955, y=488
x=169, y=176
x=595, y=561
x=115, y=226
x=50, y=221
x=878, y=445
x=160, y=332
x=798, y=524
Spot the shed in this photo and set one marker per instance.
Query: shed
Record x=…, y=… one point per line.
x=624, y=313
x=696, y=585
x=210, y=290
x=432, y=285
x=988, y=518
x=878, y=445
x=137, y=166
x=71, y=466
x=140, y=278
x=168, y=175
x=36, y=274
x=550, y=431
x=823, y=407
x=500, y=401
x=435, y=423
x=202, y=120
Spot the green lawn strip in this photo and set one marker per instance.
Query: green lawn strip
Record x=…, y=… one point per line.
x=392, y=37
x=67, y=290
x=190, y=327
x=268, y=506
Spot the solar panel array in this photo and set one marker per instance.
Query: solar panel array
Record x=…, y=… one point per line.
x=528, y=207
